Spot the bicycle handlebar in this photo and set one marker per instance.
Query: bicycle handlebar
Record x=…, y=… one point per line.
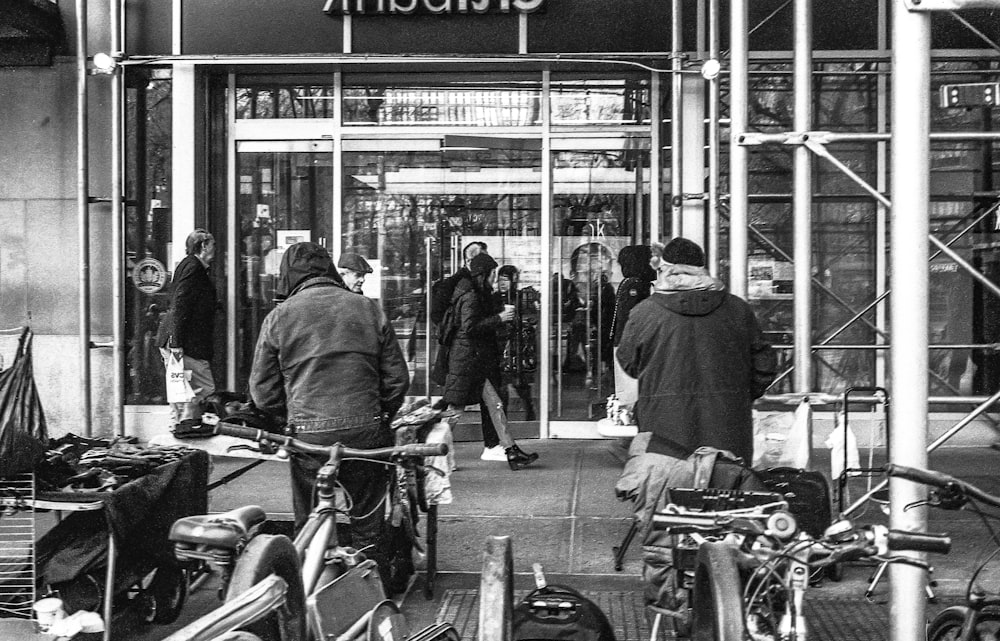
x=378, y=454
x=919, y=541
x=942, y=481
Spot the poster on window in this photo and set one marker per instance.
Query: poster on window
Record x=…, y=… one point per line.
x=770, y=279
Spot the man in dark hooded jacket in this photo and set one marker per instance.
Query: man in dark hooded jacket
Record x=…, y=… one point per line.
x=329, y=361
x=700, y=357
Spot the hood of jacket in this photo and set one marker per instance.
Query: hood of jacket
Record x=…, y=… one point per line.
x=634, y=261
x=302, y=262
x=688, y=290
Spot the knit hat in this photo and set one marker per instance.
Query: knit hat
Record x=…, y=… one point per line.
x=481, y=264
x=681, y=251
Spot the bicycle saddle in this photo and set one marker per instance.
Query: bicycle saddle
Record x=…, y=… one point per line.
x=226, y=531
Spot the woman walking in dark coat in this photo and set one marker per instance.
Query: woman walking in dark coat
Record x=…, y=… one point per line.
x=474, y=359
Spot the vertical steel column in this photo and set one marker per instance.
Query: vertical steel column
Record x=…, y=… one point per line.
x=117, y=230
x=909, y=223
x=83, y=210
x=676, y=120
x=882, y=185
x=655, y=182
x=712, y=230
x=739, y=186
x=802, y=198
x=547, y=235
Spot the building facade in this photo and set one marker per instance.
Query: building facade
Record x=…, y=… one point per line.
x=555, y=131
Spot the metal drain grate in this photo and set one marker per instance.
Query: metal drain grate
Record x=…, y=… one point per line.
x=830, y=619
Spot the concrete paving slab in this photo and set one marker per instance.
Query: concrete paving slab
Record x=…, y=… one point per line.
x=593, y=539
x=544, y=540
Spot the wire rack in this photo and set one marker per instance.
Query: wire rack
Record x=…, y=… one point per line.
x=17, y=546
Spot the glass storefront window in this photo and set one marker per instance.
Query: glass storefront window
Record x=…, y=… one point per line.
x=434, y=100
x=284, y=97
x=148, y=214
x=401, y=208
x=599, y=199
x=590, y=101
x=283, y=196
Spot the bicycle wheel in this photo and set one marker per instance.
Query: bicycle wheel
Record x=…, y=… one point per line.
x=268, y=554
x=165, y=595
x=717, y=597
x=947, y=625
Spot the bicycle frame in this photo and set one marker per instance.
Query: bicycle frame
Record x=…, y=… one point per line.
x=316, y=574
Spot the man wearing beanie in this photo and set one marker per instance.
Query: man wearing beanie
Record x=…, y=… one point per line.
x=700, y=358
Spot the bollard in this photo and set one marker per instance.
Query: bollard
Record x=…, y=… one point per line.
x=496, y=590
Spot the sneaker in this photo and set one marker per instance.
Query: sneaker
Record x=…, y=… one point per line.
x=495, y=453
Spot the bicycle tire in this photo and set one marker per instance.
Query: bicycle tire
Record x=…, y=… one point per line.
x=947, y=625
x=717, y=596
x=268, y=554
x=166, y=594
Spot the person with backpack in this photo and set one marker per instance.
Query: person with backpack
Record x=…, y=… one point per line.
x=469, y=331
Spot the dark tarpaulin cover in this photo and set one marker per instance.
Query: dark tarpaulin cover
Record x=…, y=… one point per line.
x=139, y=514
x=23, y=434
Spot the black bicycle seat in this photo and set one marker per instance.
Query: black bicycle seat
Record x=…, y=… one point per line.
x=224, y=531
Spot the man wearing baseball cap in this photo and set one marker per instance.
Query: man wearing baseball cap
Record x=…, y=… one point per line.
x=353, y=268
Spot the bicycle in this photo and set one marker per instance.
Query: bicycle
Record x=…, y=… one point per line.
x=279, y=590
x=978, y=619
x=752, y=571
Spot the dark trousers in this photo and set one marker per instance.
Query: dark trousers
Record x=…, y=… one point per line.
x=365, y=483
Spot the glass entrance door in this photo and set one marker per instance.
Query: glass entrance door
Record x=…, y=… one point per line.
x=284, y=195
x=411, y=211
x=600, y=204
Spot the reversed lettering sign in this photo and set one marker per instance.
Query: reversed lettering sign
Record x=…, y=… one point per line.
x=407, y=7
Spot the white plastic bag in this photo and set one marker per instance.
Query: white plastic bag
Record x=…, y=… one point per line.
x=782, y=439
x=178, y=385
x=836, y=444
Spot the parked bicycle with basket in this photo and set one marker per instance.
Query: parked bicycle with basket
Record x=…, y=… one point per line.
x=284, y=590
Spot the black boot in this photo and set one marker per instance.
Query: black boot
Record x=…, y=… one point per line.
x=518, y=459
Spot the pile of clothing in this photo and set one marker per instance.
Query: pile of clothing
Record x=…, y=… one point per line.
x=76, y=464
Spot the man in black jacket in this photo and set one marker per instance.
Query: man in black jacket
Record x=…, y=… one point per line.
x=190, y=327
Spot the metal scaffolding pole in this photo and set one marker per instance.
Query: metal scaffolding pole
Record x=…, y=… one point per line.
x=712, y=230
x=739, y=189
x=803, y=199
x=83, y=212
x=676, y=120
x=909, y=227
x=117, y=229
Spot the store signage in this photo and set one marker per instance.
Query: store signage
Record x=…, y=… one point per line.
x=149, y=275
x=407, y=7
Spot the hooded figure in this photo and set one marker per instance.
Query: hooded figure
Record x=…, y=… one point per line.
x=329, y=361
x=700, y=357
x=634, y=288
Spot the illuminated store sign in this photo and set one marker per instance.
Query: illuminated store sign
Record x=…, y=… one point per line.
x=375, y=7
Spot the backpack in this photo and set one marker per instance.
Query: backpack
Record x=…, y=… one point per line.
x=559, y=612
x=441, y=292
